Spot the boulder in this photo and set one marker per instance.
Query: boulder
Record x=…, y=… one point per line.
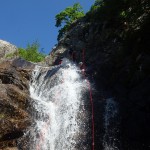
x=7, y=48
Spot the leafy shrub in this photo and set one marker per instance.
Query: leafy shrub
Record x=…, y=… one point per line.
x=96, y=5
x=31, y=53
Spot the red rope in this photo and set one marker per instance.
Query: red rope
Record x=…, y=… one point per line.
x=91, y=100
x=92, y=106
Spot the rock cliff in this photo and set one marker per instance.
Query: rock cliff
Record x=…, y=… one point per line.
x=14, y=98
x=116, y=54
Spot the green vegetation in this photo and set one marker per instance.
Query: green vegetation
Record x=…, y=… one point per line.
x=96, y=5
x=118, y=10
x=127, y=22
x=106, y=10
x=67, y=17
x=129, y=19
x=31, y=53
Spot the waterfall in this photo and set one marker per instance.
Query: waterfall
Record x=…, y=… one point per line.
x=110, y=140
x=61, y=121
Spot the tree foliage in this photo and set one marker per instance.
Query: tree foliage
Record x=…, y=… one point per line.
x=118, y=10
x=68, y=16
x=31, y=53
x=97, y=5
x=107, y=10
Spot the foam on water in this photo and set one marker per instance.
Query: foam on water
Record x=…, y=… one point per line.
x=110, y=140
x=60, y=117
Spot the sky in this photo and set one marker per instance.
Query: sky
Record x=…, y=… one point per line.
x=23, y=22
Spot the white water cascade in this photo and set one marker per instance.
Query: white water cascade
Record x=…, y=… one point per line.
x=110, y=140
x=60, y=115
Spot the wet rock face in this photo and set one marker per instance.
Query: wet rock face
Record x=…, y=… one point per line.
x=57, y=52
x=14, y=101
x=74, y=40
x=119, y=62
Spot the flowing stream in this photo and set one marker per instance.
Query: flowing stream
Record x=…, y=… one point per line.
x=60, y=115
